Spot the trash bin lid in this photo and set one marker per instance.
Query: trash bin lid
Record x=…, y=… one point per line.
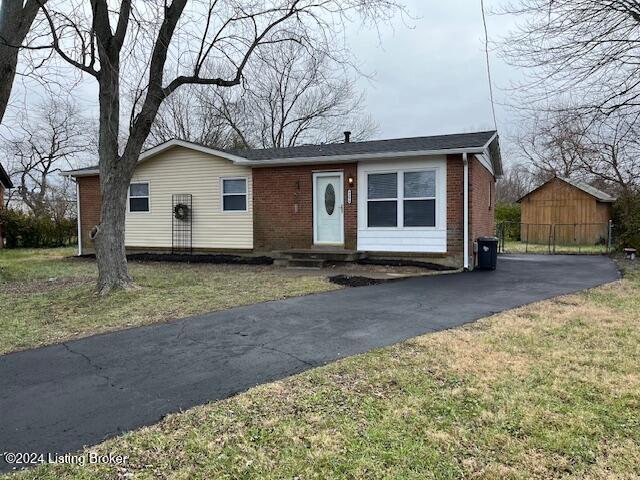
x=487, y=239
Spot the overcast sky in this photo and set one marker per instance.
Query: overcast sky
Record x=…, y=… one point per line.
x=428, y=73
x=432, y=78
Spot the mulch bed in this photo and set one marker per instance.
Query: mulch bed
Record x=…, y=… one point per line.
x=357, y=281
x=405, y=263
x=168, y=257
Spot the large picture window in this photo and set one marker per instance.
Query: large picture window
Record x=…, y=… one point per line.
x=234, y=194
x=413, y=192
x=139, y=197
x=382, y=202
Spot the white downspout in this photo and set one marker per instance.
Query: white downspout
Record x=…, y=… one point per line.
x=465, y=161
x=78, y=214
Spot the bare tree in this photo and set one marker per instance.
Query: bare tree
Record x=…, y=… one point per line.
x=16, y=18
x=289, y=97
x=186, y=115
x=156, y=47
x=582, y=50
x=551, y=145
x=293, y=97
x=514, y=184
x=613, y=158
x=43, y=141
x=602, y=150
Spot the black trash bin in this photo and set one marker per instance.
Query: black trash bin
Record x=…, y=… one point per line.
x=487, y=253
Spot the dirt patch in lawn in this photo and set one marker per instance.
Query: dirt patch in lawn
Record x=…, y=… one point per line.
x=43, y=286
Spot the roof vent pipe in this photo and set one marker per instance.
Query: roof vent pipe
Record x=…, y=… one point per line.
x=347, y=136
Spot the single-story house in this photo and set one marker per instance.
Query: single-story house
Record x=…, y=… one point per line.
x=425, y=197
x=5, y=184
x=567, y=210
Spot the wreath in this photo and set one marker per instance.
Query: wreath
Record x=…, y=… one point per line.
x=181, y=211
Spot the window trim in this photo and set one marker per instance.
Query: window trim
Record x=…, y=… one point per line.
x=246, y=195
x=401, y=198
x=147, y=196
x=386, y=199
x=434, y=197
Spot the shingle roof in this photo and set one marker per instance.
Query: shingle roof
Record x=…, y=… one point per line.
x=471, y=142
x=4, y=178
x=593, y=191
x=437, y=142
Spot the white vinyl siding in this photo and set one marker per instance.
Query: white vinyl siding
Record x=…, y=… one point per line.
x=184, y=171
x=420, y=199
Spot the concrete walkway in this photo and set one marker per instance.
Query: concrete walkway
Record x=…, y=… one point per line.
x=63, y=397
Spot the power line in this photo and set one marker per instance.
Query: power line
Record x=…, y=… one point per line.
x=486, y=52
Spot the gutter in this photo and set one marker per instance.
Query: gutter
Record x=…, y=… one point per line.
x=79, y=219
x=318, y=160
x=465, y=162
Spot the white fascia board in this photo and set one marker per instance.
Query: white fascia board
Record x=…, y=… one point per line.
x=356, y=157
x=484, y=159
x=80, y=173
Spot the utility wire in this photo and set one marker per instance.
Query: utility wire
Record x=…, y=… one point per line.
x=486, y=52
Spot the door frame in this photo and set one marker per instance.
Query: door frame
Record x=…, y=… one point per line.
x=339, y=195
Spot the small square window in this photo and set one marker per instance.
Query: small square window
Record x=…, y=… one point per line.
x=234, y=195
x=139, y=197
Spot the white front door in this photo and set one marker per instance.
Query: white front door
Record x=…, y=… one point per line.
x=328, y=208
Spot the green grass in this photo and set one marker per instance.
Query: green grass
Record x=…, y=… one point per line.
x=47, y=297
x=520, y=247
x=549, y=390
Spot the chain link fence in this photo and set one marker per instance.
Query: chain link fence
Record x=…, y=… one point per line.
x=575, y=238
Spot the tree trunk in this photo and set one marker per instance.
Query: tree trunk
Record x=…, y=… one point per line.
x=115, y=174
x=8, y=62
x=109, y=238
x=15, y=22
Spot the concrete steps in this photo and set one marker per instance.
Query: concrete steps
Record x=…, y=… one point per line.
x=316, y=257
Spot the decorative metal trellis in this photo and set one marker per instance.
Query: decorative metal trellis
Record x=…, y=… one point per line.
x=181, y=223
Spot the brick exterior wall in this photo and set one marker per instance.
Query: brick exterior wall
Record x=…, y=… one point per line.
x=455, y=207
x=90, y=203
x=482, y=190
x=283, y=206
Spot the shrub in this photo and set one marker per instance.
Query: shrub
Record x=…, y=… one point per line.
x=626, y=218
x=509, y=213
x=23, y=230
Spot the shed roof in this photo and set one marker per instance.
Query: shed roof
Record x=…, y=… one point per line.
x=599, y=195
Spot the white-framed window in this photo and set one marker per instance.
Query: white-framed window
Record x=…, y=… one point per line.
x=234, y=194
x=402, y=199
x=139, y=197
x=419, y=194
x=382, y=200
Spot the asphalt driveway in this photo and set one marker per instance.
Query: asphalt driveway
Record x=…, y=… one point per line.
x=63, y=397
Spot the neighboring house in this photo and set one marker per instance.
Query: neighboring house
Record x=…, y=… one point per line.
x=388, y=198
x=566, y=210
x=5, y=183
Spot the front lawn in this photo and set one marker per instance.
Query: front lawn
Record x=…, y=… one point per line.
x=550, y=390
x=46, y=297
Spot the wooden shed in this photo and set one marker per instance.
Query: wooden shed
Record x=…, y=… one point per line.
x=566, y=211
